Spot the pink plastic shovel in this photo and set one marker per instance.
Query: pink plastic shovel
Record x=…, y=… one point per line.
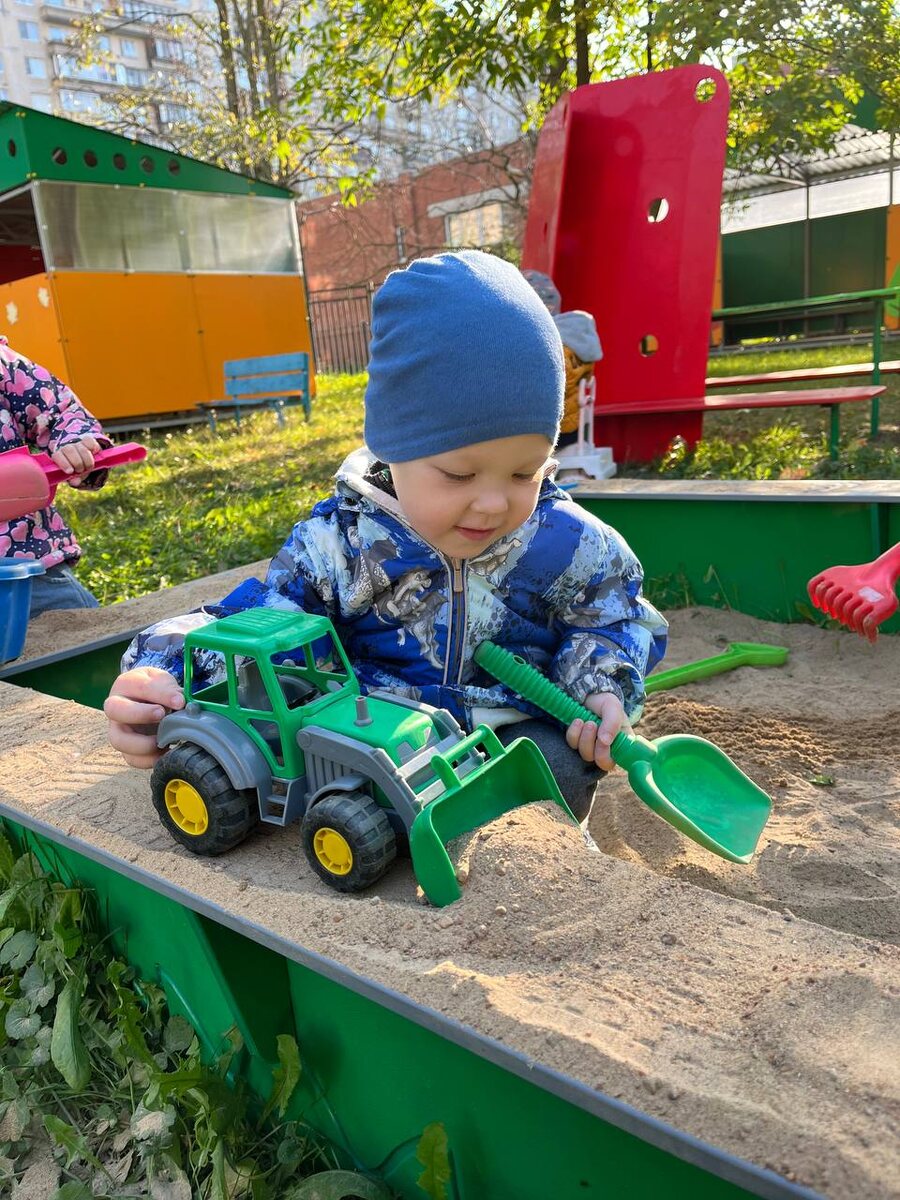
x=859, y=597
x=29, y=481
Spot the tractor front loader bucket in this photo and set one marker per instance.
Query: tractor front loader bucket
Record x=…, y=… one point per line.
x=509, y=777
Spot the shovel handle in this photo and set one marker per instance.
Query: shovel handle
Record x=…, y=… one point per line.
x=112, y=456
x=525, y=679
x=738, y=654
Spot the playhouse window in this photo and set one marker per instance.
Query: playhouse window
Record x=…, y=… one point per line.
x=95, y=227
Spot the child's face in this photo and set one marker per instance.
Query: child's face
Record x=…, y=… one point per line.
x=462, y=501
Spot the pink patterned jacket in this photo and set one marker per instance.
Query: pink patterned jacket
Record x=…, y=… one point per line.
x=38, y=410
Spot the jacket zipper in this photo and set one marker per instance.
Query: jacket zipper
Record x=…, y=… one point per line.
x=456, y=637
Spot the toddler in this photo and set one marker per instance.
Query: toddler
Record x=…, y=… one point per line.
x=447, y=530
x=38, y=410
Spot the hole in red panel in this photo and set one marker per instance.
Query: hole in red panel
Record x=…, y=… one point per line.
x=657, y=210
x=649, y=345
x=59, y=156
x=119, y=162
x=147, y=164
x=12, y=148
x=90, y=158
x=546, y=227
x=705, y=90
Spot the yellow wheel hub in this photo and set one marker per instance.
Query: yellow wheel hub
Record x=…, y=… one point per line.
x=186, y=807
x=333, y=851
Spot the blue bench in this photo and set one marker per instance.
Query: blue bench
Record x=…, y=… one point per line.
x=274, y=382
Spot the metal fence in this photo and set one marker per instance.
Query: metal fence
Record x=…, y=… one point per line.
x=341, y=327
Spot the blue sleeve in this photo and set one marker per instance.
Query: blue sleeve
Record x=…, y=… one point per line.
x=610, y=635
x=298, y=578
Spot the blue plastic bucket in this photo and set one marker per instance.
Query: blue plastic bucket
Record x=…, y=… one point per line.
x=15, y=601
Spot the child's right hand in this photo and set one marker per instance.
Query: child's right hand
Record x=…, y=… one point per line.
x=137, y=702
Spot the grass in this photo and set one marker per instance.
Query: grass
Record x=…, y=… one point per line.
x=205, y=502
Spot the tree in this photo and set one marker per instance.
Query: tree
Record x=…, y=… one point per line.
x=221, y=90
x=797, y=68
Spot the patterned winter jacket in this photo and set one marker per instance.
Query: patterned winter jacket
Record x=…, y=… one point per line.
x=563, y=590
x=38, y=410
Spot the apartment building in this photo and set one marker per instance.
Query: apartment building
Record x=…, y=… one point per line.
x=39, y=66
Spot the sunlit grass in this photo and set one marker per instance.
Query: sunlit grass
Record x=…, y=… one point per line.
x=205, y=502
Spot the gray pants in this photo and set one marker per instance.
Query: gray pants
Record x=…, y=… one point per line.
x=58, y=588
x=576, y=778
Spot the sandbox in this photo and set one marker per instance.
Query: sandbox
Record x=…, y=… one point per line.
x=753, y=1008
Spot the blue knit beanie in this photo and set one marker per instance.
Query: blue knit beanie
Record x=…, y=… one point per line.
x=463, y=351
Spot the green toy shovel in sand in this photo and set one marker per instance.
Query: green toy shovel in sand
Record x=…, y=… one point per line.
x=686, y=780
x=735, y=654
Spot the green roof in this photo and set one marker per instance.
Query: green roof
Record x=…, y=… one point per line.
x=36, y=145
x=262, y=631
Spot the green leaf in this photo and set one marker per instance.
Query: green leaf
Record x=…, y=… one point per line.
x=822, y=780
x=36, y=987
x=433, y=1153
x=18, y=951
x=68, y=1138
x=339, y=1185
x=178, y=1035
x=7, y=858
x=219, y=1182
x=129, y=1017
x=21, y=1022
x=285, y=1077
x=73, y=1190
x=66, y=1047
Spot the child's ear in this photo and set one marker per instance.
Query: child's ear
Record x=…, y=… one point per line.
x=550, y=468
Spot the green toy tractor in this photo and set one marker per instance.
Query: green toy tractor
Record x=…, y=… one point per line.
x=286, y=735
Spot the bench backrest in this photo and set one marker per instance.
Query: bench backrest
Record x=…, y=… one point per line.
x=272, y=374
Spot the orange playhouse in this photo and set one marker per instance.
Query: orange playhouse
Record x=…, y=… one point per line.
x=135, y=273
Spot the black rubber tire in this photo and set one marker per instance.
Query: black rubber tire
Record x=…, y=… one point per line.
x=364, y=825
x=232, y=814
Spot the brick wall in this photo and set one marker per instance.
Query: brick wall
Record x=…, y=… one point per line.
x=412, y=216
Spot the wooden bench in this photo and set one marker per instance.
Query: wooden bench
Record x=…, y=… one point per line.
x=831, y=398
x=804, y=375
x=274, y=382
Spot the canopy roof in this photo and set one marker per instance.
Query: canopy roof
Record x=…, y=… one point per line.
x=36, y=145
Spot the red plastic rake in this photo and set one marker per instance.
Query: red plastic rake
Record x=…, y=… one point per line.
x=859, y=597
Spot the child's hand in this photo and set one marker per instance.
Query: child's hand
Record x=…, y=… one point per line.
x=593, y=741
x=137, y=702
x=77, y=459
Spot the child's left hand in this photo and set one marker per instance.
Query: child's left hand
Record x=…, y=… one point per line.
x=592, y=741
x=77, y=459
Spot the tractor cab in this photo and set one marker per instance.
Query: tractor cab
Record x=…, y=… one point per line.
x=271, y=677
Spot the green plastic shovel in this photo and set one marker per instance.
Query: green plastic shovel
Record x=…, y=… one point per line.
x=686, y=780
x=736, y=654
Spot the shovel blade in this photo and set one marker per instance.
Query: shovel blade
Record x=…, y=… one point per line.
x=696, y=787
x=516, y=776
x=23, y=486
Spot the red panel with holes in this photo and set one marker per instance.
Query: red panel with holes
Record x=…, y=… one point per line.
x=624, y=217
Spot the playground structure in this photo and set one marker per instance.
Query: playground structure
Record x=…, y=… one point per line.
x=134, y=273
x=624, y=217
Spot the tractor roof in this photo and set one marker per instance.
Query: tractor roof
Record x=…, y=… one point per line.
x=263, y=630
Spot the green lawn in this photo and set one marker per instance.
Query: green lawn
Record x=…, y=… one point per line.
x=204, y=502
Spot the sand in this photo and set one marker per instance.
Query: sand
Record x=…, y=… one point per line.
x=64, y=629
x=754, y=1007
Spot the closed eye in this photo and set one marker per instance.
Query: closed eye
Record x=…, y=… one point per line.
x=455, y=478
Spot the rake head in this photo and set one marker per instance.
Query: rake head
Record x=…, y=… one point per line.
x=853, y=597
